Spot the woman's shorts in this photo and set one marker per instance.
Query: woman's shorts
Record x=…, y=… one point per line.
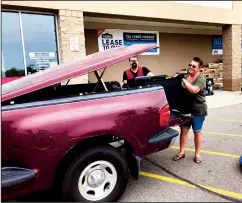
x=196, y=123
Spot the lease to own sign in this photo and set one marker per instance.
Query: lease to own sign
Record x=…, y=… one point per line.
x=112, y=38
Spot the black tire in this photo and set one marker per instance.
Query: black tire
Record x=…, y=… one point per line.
x=104, y=153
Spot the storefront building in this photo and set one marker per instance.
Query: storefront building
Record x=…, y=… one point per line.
x=36, y=36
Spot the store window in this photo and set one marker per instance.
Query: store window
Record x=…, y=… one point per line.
x=29, y=43
x=39, y=41
x=12, y=52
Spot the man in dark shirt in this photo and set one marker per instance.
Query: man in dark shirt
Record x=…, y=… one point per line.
x=134, y=71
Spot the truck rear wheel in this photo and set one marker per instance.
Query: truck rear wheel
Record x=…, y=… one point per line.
x=99, y=174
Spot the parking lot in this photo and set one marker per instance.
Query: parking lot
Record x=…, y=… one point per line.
x=217, y=178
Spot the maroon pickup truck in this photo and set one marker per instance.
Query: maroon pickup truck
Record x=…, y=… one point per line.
x=81, y=140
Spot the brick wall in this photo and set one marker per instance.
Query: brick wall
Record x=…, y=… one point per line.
x=70, y=24
x=232, y=57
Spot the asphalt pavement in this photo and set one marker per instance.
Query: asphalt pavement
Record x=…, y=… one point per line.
x=217, y=179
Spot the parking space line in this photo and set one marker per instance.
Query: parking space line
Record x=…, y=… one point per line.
x=223, y=119
x=219, y=133
x=210, y=152
x=167, y=179
x=223, y=192
x=177, y=181
x=232, y=111
x=214, y=133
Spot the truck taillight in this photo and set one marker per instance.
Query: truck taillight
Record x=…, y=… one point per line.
x=165, y=115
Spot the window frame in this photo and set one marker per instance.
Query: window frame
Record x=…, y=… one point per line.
x=22, y=34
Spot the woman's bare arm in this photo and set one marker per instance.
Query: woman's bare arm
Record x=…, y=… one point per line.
x=190, y=87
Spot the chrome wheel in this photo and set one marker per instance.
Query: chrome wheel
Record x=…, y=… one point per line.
x=97, y=180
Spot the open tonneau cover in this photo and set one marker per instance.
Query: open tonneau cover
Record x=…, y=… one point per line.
x=174, y=95
x=71, y=69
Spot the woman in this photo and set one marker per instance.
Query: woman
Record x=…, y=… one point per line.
x=194, y=89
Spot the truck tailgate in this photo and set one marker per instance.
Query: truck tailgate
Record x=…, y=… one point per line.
x=176, y=119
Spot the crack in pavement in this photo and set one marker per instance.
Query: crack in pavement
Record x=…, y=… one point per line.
x=192, y=183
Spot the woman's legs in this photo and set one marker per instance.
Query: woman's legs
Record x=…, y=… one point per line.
x=183, y=141
x=198, y=143
x=197, y=125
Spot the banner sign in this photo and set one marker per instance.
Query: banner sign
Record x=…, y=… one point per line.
x=112, y=38
x=217, y=45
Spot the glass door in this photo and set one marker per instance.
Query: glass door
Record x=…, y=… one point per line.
x=40, y=41
x=12, y=50
x=29, y=44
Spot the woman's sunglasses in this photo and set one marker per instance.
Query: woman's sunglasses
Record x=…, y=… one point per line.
x=191, y=65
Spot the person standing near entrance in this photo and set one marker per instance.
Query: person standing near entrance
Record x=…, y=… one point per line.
x=135, y=70
x=194, y=87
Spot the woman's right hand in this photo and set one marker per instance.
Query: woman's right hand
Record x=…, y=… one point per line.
x=180, y=76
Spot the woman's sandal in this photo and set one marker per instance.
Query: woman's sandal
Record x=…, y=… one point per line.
x=197, y=160
x=178, y=157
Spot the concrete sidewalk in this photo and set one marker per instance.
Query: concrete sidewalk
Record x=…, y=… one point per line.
x=223, y=98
